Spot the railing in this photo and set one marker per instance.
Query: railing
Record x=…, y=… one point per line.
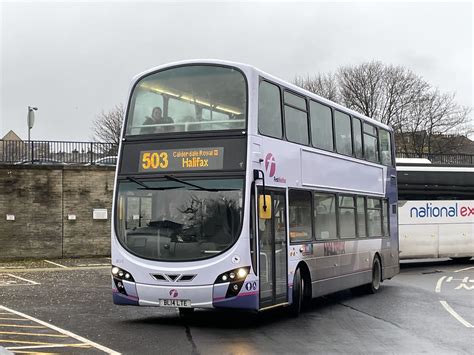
x=441, y=159
x=54, y=152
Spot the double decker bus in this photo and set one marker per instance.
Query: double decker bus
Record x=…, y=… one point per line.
x=247, y=192
x=436, y=211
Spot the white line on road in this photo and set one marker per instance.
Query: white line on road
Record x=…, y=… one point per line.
x=455, y=315
x=468, y=268
x=63, y=331
x=55, y=264
x=438, y=284
x=21, y=278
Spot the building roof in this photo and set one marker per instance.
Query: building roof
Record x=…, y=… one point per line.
x=11, y=136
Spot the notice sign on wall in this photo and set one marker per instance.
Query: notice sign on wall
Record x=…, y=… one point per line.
x=99, y=213
x=181, y=159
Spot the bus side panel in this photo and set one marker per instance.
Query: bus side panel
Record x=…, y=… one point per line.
x=456, y=240
x=418, y=241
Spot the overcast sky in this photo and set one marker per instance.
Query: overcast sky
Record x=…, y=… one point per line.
x=75, y=59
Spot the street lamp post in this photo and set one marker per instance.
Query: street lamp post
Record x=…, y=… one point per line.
x=31, y=122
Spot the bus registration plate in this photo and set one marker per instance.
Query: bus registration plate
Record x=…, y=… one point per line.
x=175, y=303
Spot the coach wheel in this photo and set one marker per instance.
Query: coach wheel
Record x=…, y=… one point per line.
x=183, y=312
x=298, y=292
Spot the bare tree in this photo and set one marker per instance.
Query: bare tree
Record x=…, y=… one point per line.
x=324, y=85
x=108, y=125
x=421, y=116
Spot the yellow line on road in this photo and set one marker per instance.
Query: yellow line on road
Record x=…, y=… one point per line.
x=80, y=345
x=22, y=326
x=25, y=342
x=36, y=334
x=58, y=269
x=14, y=319
x=34, y=352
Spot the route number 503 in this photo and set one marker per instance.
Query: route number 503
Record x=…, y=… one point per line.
x=154, y=160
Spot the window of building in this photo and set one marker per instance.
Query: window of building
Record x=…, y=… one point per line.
x=343, y=133
x=374, y=217
x=361, y=217
x=300, y=216
x=321, y=126
x=347, y=221
x=325, y=221
x=385, y=147
x=269, y=110
x=370, y=143
x=296, y=119
x=357, y=132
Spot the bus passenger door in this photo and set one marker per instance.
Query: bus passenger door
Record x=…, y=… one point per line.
x=273, y=251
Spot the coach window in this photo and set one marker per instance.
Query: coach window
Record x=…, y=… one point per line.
x=301, y=229
x=361, y=217
x=347, y=226
x=385, y=147
x=374, y=217
x=357, y=132
x=370, y=143
x=269, y=110
x=385, y=218
x=343, y=133
x=296, y=119
x=321, y=126
x=325, y=224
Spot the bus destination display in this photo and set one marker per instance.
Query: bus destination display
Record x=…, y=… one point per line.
x=181, y=159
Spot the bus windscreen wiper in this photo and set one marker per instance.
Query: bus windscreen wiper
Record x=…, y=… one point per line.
x=172, y=178
x=146, y=187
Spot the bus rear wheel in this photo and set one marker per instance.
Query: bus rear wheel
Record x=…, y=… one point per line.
x=298, y=293
x=374, y=286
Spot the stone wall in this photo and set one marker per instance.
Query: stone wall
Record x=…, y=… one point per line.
x=41, y=199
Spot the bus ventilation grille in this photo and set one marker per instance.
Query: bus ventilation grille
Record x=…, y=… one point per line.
x=173, y=277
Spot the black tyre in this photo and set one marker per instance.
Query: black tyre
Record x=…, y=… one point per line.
x=374, y=286
x=298, y=292
x=184, y=312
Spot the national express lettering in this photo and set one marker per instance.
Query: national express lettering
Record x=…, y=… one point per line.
x=430, y=211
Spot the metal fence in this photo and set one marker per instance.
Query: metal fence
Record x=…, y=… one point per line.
x=54, y=152
x=441, y=159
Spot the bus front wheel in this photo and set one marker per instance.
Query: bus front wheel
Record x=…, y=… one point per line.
x=298, y=292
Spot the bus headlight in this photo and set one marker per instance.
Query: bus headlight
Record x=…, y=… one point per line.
x=235, y=280
x=119, y=275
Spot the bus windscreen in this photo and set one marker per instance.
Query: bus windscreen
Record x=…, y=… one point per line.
x=188, y=99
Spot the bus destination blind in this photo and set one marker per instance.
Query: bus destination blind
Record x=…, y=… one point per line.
x=189, y=159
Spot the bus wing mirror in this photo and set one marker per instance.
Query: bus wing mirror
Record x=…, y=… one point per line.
x=265, y=207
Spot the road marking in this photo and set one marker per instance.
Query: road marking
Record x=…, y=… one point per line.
x=23, y=279
x=65, y=267
x=468, y=268
x=438, y=284
x=63, y=331
x=85, y=265
x=13, y=319
x=455, y=315
x=81, y=345
x=21, y=326
x=36, y=334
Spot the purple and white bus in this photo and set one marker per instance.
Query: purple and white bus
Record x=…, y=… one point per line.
x=235, y=189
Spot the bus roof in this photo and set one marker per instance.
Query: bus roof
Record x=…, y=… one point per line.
x=249, y=68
